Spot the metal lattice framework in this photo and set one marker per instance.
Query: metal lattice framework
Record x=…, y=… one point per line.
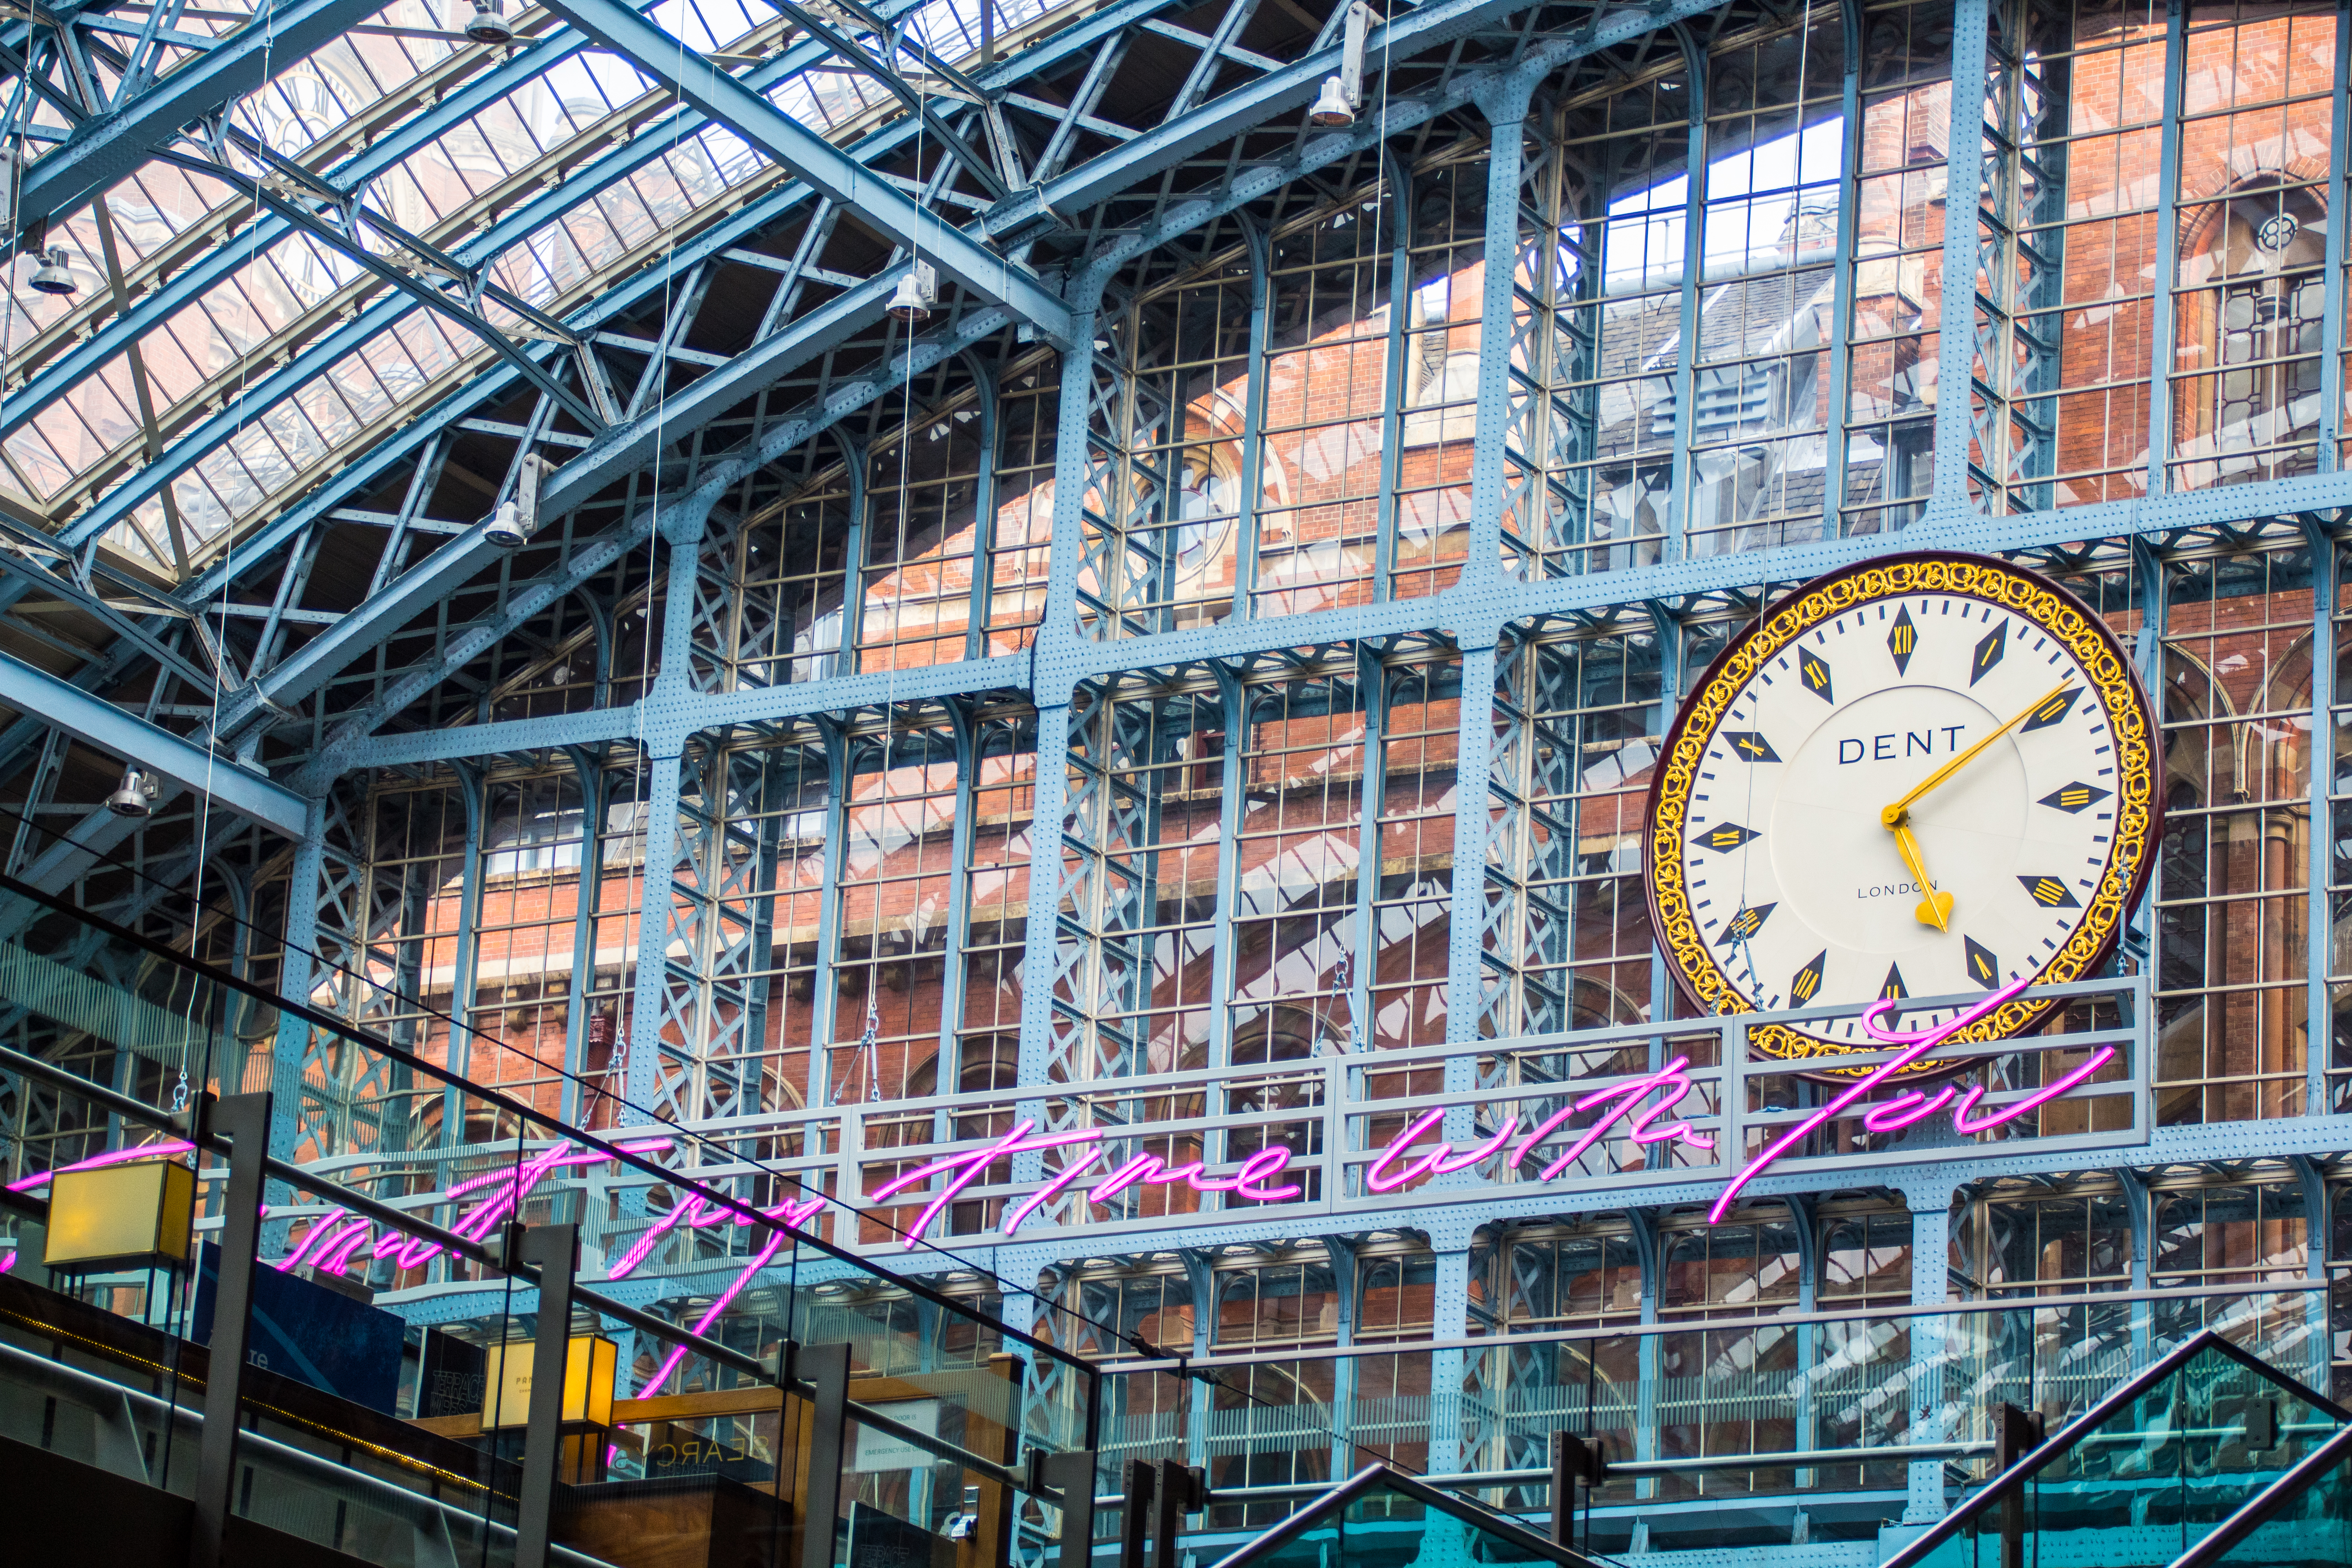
x=947, y=721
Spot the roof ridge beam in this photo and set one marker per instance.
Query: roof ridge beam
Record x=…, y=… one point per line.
x=321, y=659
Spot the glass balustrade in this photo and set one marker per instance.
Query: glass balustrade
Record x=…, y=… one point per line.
x=2146, y=1473
x=397, y=1436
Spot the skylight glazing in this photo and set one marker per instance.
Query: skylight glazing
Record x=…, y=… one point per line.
x=556, y=186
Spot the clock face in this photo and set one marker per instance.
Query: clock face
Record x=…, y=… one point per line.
x=1947, y=715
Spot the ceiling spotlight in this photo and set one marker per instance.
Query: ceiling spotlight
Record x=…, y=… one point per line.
x=53, y=276
x=489, y=24
x=517, y=517
x=136, y=798
x=1332, y=109
x=918, y=291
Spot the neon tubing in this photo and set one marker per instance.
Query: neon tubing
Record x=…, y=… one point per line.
x=112, y=1157
x=1922, y=1041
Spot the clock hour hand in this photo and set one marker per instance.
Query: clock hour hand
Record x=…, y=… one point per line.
x=1934, y=909
x=1895, y=815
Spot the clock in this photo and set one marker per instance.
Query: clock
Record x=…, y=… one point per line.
x=1931, y=774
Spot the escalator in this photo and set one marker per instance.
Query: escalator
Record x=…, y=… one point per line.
x=2158, y=1469
x=99, y=1430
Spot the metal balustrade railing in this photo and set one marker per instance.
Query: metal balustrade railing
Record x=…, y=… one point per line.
x=848, y=1346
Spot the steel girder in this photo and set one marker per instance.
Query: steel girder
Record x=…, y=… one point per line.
x=169, y=281
x=116, y=730
x=840, y=178
x=1097, y=33
x=827, y=327
x=111, y=140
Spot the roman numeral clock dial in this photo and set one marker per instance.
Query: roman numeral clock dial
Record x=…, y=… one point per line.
x=1927, y=775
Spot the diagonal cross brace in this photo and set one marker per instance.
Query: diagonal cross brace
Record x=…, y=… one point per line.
x=107, y=148
x=827, y=169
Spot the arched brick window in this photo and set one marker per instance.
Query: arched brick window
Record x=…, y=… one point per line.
x=2251, y=274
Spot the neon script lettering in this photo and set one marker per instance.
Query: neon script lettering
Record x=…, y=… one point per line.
x=1670, y=1081
x=1638, y=1107
x=1144, y=1170
x=1911, y=1105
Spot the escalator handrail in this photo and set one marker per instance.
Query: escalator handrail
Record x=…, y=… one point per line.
x=59, y=1375
x=2256, y=1511
x=2056, y=1446
x=1381, y=1475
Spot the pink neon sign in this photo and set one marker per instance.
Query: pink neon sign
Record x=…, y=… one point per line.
x=1397, y=1165
x=1144, y=1170
x=337, y=1239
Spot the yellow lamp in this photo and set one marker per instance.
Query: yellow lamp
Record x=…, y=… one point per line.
x=133, y=1212
x=588, y=1369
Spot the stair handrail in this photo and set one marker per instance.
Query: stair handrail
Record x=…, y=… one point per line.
x=1381, y=1475
x=2063, y=1442
x=2256, y=1511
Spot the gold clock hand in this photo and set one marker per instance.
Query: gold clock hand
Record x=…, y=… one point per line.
x=1894, y=815
x=1934, y=909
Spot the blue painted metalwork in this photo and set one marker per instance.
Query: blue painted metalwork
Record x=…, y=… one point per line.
x=107, y=147
x=822, y=330
x=841, y=178
x=32, y=691
x=1069, y=685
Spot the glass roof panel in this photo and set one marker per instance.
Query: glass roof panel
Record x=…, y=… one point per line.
x=560, y=129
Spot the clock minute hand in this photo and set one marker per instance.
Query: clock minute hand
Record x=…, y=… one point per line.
x=1895, y=815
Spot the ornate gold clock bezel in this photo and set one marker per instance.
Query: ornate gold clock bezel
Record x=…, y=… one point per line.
x=2021, y=590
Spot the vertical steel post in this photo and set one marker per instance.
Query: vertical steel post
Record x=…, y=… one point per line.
x=2319, y=835
x=474, y=788
x=948, y=1077
x=1842, y=276
x=1249, y=485
x=1400, y=211
x=2161, y=322
x=1930, y=1202
x=1956, y=329
x=592, y=795
x=1233, y=776
x=983, y=503
x=2331, y=314
x=828, y=1368
x=554, y=1250
x=243, y=1120
x=1675, y=545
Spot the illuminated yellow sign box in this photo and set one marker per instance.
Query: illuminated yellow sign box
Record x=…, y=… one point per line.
x=121, y=1214
x=588, y=1370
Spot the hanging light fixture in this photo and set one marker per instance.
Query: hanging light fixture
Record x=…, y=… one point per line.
x=1343, y=94
x=489, y=24
x=52, y=277
x=1332, y=109
x=517, y=517
x=918, y=291
x=136, y=798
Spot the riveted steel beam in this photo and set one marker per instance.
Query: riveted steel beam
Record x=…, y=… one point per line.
x=825, y=328
x=32, y=691
x=107, y=148
x=876, y=201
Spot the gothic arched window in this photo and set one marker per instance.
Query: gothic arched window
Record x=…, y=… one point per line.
x=2246, y=404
